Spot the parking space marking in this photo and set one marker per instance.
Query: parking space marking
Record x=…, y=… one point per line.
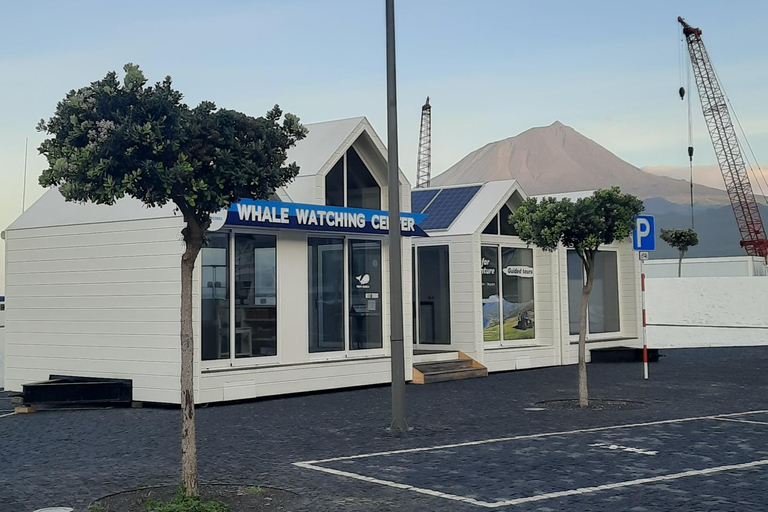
x=5, y=415
x=629, y=483
x=753, y=422
x=313, y=464
x=529, y=436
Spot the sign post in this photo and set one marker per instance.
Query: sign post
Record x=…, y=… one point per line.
x=643, y=241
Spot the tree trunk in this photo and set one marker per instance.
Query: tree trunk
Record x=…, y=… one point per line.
x=589, y=266
x=680, y=264
x=193, y=237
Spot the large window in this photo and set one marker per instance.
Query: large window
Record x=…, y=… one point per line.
x=432, y=295
x=603, y=308
x=350, y=183
x=241, y=323
x=506, y=275
x=255, y=296
x=215, y=297
x=500, y=225
x=336, y=317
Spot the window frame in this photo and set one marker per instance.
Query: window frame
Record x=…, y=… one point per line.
x=347, y=352
x=345, y=181
x=500, y=242
x=233, y=361
x=601, y=336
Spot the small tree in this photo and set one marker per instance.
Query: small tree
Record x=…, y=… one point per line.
x=606, y=216
x=112, y=139
x=682, y=240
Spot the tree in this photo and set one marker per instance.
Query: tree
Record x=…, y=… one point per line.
x=113, y=139
x=682, y=240
x=605, y=217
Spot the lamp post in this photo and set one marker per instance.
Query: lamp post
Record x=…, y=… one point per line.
x=397, y=344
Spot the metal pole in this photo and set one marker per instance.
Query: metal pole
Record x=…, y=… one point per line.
x=397, y=347
x=645, y=335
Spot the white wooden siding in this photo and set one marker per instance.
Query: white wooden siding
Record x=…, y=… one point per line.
x=96, y=300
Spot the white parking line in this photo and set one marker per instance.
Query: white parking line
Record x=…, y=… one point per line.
x=5, y=415
x=530, y=436
x=611, y=446
x=742, y=421
x=313, y=464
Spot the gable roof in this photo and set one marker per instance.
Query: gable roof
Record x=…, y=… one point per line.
x=322, y=142
x=468, y=216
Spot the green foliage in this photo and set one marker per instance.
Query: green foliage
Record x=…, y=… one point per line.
x=182, y=503
x=680, y=239
x=112, y=139
x=606, y=216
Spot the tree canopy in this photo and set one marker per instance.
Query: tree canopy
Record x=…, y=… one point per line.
x=680, y=239
x=113, y=139
x=606, y=216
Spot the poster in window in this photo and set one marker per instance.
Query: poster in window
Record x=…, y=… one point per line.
x=517, y=294
x=489, y=277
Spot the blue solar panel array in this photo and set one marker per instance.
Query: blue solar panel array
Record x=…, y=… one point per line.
x=421, y=198
x=448, y=204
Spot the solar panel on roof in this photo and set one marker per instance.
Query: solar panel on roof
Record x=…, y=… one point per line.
x=447, y=206
x=421, y=198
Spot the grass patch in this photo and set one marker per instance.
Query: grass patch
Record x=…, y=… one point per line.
x=182, y=503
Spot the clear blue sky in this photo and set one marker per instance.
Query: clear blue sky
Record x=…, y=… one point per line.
x=492, y=68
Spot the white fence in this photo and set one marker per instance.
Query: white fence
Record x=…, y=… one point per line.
x=735, y=266
x=693, y=312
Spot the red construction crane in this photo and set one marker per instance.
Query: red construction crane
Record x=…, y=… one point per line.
x=424, y=163
x=727, y=148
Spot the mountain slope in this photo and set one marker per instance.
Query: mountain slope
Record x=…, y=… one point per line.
x=557, y=158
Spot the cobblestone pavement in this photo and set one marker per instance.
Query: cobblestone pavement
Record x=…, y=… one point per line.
x=70, y=457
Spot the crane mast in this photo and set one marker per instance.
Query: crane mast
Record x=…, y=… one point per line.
x=424, y=163
x=727, y=149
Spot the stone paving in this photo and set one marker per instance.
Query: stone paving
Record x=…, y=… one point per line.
x=70, y=457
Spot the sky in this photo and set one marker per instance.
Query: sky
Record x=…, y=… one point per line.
x=492, y=68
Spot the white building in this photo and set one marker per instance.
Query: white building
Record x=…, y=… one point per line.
x=292, y=293
x=521, y=309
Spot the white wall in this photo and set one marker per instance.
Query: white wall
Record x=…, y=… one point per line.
x=706, y=312
x=736, y=266
x=2, y=348
x=96, y=300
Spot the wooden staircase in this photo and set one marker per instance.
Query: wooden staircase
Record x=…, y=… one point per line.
x=439, y=366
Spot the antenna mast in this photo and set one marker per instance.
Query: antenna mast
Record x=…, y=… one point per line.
x=424, y=163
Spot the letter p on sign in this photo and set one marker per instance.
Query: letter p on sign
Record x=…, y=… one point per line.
x=644, y=236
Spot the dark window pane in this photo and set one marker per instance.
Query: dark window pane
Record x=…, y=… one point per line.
x=517, y=290
x=489, y=270
x=362, y=189
x=215, y=297
x=334, y=185
x=506, y=227
x=255, y=296
x=575, y=285
x=365, y=320
x=604, y=299
x=493, y=227
x=326, y=294
x=434, y=295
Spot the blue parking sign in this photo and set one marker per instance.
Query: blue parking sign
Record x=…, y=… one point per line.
x=644, y=234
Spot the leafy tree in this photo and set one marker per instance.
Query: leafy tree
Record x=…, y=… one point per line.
x=605, y=217
x=113, y=139
x=682, y=240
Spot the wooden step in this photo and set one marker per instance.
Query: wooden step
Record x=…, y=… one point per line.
x=442, y=366
x=463, y=367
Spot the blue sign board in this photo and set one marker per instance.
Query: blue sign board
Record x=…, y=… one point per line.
x=313, y=217
x=644, y=234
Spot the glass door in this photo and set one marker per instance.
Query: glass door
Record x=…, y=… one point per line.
x=433, y=295
x=365, y=301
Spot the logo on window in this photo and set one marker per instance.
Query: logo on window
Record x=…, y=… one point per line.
x=363, y=280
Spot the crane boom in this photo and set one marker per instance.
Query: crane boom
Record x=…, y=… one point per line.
x=424, y=162
x=727, y=149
